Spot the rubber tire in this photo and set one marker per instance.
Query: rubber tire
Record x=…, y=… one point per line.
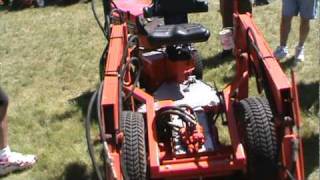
x=198, y=66
x=133, y=151
x=259, y=138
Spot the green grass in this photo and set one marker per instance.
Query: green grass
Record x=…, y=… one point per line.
x=49, y=66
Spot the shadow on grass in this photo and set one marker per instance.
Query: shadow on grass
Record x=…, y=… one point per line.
x=228, y=79
x=216, y=61
x=77, y=171
x=65, y=115
x=309, y=96
x=82, y=102
x=81, y=171
x=289, y=63
x=311, y=154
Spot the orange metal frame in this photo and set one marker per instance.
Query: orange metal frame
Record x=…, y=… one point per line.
x=282, y=94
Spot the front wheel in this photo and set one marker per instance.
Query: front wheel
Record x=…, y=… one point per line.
x=259, y=138
x=133, y=152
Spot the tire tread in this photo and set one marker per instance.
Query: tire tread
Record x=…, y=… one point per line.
x=133, y=154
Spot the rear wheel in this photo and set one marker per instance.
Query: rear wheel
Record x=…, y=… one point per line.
x=259, y=138
x=133, y=153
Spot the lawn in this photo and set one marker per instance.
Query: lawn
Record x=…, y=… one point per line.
x=49, y=67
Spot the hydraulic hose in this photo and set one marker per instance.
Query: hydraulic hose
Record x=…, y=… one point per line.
x=102, y=62
x=88, y=135
x=108, y=161
x=179, y=111
x=94, y=10
x=137, y=75
x=97, y=94
x=183, y=116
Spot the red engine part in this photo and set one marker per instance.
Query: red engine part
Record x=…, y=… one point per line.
x=193, y=138
x=158, y=69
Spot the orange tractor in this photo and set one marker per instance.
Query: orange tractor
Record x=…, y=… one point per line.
x=157, y=118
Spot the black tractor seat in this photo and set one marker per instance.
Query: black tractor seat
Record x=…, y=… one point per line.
x=175, y=34
x=178, y=34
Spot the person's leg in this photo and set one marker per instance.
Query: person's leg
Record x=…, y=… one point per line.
x=289, y=9
x=226, y=10
x=308, y=11
x=3, y=119
x=304, y=31
x=285, y=29
x=10, y=161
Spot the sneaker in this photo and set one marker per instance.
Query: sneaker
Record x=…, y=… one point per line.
x=299, y=54
x=281, y=52
x=15, y=162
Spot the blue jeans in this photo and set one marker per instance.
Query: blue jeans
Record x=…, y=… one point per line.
x=307, y=9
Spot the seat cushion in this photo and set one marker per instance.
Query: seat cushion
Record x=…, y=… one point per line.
x=178, y=34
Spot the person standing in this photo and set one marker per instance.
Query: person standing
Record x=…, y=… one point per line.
x=10, y=161
x=307, y=9
x=226, y=10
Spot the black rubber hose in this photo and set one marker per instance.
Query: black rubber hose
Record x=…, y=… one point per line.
x=123, y=69
x=103, y=62
x=88, y=135
x=93, y=7
x=108, y=161
x=181, y=114
x=137, y=76
x=119, y=12
x=190, y=116
x=99, y=109
x=123, y=60
x=107, y=8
